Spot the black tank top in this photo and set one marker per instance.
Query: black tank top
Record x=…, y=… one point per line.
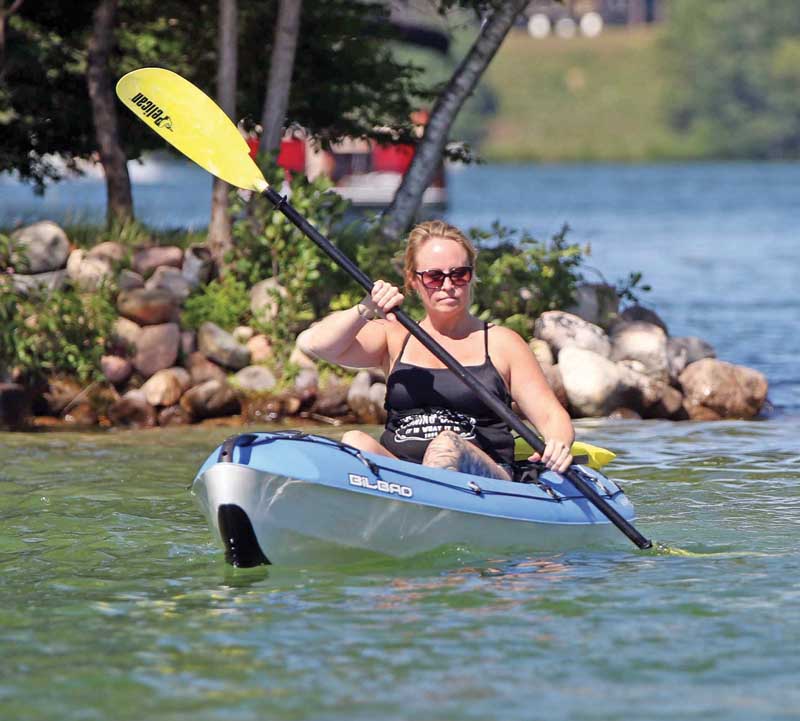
x=423, y=402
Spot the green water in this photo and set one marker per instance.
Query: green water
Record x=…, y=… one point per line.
x=114, y=603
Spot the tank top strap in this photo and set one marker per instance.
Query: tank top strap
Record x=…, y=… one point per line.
x=402, y=350
x=486, y=339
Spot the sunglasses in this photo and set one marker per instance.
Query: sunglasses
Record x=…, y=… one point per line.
x=434, y=279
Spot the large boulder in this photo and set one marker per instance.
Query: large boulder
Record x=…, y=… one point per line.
x=723, y=389
x=254, y=380
x=146, y=260
x=681, y=351
x=210, y=400
x=147, y=306
x=88, y=272
x=132, y=411
x=197, y=265
x=643, y=342
x=221, y=347
x=650, y=397
x=591, y=381
x=125, y=335
x=165, y=387
x=157, y=348
x=201, y=369
x=562, y=330
x=116, y=369
x=552, y=374
x=170, y=279
x=638, y=313
x=596, y=303
x=50, y=280
x=43, y=246
x=110, y=251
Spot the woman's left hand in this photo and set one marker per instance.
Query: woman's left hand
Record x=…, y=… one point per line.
x=556, y=456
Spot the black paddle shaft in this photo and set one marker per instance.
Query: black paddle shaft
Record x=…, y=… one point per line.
x=503, y=412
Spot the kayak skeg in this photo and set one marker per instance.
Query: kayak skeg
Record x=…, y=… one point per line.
x=288, y=497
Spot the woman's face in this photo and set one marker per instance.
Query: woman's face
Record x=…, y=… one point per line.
x=445, y=255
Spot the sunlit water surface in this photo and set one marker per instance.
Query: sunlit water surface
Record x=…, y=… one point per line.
x=116, y=604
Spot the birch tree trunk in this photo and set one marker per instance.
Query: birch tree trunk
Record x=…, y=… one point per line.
x=400, y=214
x=104, y=113
x=219, y=227
x=279, y=82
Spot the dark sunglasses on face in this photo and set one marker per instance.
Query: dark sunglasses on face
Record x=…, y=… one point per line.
x=434, y=279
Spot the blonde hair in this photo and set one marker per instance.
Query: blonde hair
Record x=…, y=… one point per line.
x=421, y=234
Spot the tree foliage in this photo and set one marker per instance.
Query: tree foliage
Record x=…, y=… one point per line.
x=346, y=80
x=735, y=68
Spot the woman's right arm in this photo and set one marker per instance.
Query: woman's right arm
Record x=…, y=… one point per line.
x=347, y=337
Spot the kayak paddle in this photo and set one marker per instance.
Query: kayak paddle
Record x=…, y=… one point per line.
x=194, y=124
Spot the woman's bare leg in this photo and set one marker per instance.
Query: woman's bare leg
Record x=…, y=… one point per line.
x=449, y=450
x=365, y=442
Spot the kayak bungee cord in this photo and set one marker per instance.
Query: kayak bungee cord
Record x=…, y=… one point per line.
x=194, y=124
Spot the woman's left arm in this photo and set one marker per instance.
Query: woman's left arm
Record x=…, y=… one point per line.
x=529, y=388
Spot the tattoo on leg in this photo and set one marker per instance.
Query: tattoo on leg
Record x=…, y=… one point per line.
x=449, y=450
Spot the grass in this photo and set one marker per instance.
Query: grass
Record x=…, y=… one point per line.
x=600, y=99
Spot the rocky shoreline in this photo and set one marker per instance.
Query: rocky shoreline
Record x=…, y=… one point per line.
x=600, y=360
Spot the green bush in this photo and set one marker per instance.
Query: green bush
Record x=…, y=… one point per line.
x=521, y=277
x=55, y=331
x=224, y=301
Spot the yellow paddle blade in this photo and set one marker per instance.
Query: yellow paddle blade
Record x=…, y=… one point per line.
x=188, y=119
x=598, y=457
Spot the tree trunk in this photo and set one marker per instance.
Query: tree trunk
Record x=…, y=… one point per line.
x=4, y=15
x=403, y=209
x=279, y=82
x=104, y=114
x=219, y=227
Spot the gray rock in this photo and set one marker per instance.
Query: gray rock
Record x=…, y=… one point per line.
x=146, y=260
x=188, y=342
x=129, y=280
x=197, y=265
x=116, y=369
x=562, y=330
x=724, y=389
x=52, y=280
x=221, y=347
x=210, y=400
x=201, y=369
x=126, y=334
x=254, y=379
x=173, y=416
x=147, y=306
x=637, y=313
x=681, y=351
x=165, y=387
x=156, y=348
x=132, y=411
x=43, y=245
x=591, y=381
x=167, y=278
x=243, y=333
x=110, y=251
x=88, y=273
x=643, y=342
x=260, y=348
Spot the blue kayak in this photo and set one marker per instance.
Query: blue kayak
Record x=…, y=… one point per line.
x=288, y=497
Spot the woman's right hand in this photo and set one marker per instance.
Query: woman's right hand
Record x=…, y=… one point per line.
x=380, y=301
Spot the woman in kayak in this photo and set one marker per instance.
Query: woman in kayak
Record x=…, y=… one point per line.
x=433, y=418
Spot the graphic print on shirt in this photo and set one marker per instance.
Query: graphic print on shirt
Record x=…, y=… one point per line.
x=426, y=426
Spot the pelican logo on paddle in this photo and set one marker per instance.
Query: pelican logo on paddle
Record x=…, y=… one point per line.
x=152, y=111
x=379, y=485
